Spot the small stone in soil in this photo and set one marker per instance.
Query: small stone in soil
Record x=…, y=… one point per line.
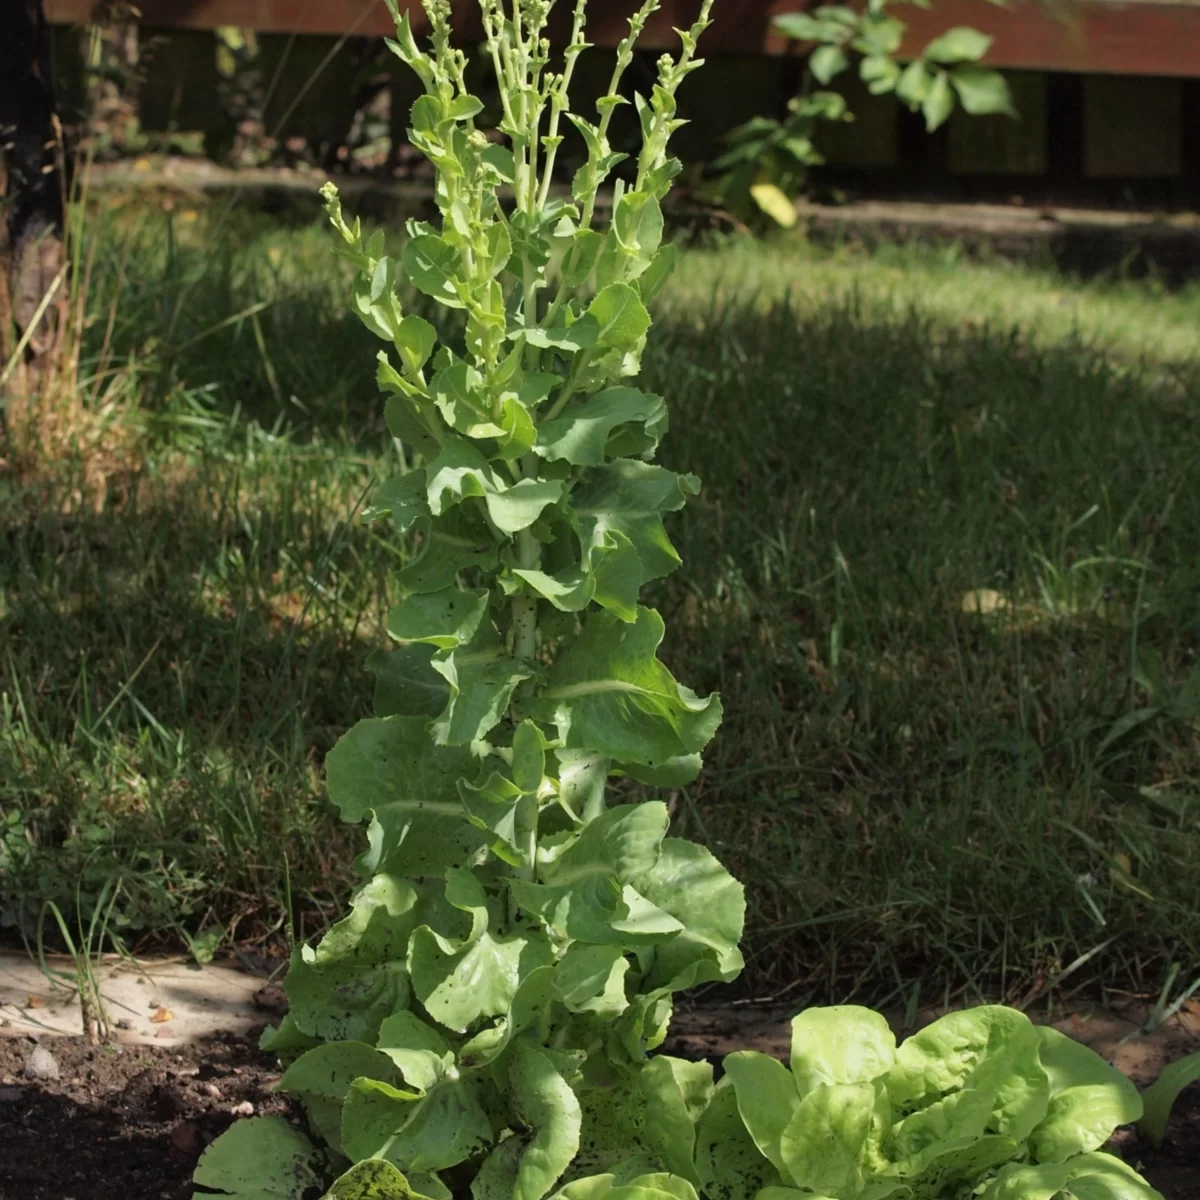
x=212, y=1090
x=245, y=1109
x=41, y=1064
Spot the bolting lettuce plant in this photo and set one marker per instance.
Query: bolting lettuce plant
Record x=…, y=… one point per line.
x=484, y=1018
x=485, y=1013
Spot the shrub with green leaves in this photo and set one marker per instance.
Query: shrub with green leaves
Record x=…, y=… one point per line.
x=484, y=1017
x=768, y=161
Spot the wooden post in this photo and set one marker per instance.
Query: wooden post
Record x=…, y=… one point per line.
x=31, y=229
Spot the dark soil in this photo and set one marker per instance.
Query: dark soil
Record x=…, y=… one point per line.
x=123, y=1122
x=129, y=1123
x=1175, y=1169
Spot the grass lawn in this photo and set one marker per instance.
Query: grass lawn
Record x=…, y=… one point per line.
x=945, y=571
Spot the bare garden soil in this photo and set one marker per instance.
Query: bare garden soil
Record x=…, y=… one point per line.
x=129, y=1122
x=124, y=1122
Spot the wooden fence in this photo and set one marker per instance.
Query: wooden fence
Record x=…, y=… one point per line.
x=1134, y=37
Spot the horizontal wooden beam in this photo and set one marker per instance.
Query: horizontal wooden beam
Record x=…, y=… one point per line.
x=1096, y=37
x=1133, y=37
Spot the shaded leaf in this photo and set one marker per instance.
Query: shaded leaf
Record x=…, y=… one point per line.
x=344, y=987
x=321, y=1078
x=454, y=542
x=263, y=1158
x=392, y=769
x=482, y=677
x=406, y=685
x=612, y=578
x=415, y=1133
x=402, y=498
x=767, y=1100
x=1160, y=1096
x=444, y=619
x=728, y=1161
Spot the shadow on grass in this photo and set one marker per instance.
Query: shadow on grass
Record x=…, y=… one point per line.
x=174, y=672
x=944, y=574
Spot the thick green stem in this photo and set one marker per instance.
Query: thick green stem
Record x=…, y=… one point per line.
x=525, y=608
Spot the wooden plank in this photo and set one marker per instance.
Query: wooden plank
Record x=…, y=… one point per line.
x=1133, y=128
x=998, y=145
x=1096, y=37
x=872, y=139
x=743, y=26
x=1132, y=37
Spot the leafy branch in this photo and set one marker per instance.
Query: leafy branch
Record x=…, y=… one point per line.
x=768, y=161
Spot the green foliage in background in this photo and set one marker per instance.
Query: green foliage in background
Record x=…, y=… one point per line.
x=768, y=160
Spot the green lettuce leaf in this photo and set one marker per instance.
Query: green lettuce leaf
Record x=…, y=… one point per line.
x=582, y=435
x=461, y=980
x=416, y=1048
x=825, y=1144
x=630, y=498
x=482, y=677
x=391, y=768
x=691, y=885
x=342, y=989
x=528, y=1164
x=840, y=1044
x=767, y=1100
x=609, y=693
x=321, y=1078
x=263, y=1158
x=414, y=1132
x=728, y=1160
